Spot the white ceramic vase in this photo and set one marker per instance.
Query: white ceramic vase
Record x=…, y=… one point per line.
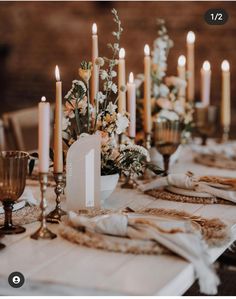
x=108, y=185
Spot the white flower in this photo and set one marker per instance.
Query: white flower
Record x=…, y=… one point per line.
x=160, y=43
x=99, y=61
x=164, y=90
x=175, y=81
x=122, y=123
x=156, y=90
x=113, y=73
x=188, y=118
x=68, y=94
x=111, y=108
x=170, y=115
x=65, y=123
x=178, y=107
x=100, y=97
x=116, y=46
x=83, y=106
x=114, y=88
x=103, y=74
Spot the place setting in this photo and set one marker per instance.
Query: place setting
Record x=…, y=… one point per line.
x=113, y=141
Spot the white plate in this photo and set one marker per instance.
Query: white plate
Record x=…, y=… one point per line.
x=187, y=192
x=17, y=206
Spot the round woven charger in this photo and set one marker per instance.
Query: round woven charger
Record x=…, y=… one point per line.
x=167, y=195
x=218, y=161
x=23, y=216
x=214, y=232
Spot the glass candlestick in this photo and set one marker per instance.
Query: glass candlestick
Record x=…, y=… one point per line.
x=55, y=215
x=43, y=232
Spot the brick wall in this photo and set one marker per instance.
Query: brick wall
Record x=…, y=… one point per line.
x=35, y=36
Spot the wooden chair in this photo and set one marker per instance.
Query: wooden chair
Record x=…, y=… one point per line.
x=22, y=128
x=2, y=136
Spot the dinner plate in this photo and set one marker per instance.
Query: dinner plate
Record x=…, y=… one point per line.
x=17, y=206
x=186, y=192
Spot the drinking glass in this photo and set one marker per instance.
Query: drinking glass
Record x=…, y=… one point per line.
x=167, y=136
x=205, y=119
x=13, y=170
x=1, y=245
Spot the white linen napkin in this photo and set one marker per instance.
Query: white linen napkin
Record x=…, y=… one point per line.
x=227, y=150
x=177, y=236
x=28, y=197
x=192, y=182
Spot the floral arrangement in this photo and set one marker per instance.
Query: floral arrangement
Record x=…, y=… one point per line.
x=165, y=89
x=100, y=116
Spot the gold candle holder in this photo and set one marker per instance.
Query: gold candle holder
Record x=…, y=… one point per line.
x=148, y=138
x=43, y=232
x=55, y=215
x=225, y=135
x=129, y=183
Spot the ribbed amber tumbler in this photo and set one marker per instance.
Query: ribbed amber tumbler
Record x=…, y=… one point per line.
x=13, y=170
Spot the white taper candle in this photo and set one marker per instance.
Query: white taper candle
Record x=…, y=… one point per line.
x=44, y=135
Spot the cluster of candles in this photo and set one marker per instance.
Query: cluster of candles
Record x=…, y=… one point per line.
x=206, y=80
x=44, y=107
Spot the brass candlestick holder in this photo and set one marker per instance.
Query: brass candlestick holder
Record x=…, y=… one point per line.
x=225, y=135
x=148, y=139
x=129, y=183
x=43, y=232
x=55, y=215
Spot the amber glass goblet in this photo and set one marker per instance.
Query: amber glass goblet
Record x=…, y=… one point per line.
x=167, y=136
x=205, y=119
x=13, y=170
x=1, y=245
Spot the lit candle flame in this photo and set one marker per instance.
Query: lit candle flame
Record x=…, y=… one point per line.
x=57, y=73
x=146, y=50
x=43, y=99
x=190, y=37
x=206, y=66
x=122, y=53
x=181, y=60
x=94, y=29
x=225, y=65
x=131, y=78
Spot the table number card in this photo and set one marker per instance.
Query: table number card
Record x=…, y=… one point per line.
x=83, y=172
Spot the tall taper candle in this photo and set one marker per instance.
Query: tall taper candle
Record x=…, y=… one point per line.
x=225, y=104
x=190, y=66
x=121, y=81
x=131, y=100
x=58, y=151
x=44, y=135
x=147, y=91
x=206, y=83
x=95, y=71
x=182, y=75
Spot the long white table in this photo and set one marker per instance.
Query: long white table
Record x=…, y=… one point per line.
x=59, y=267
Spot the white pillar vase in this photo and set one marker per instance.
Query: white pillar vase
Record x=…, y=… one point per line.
x=108, y=185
